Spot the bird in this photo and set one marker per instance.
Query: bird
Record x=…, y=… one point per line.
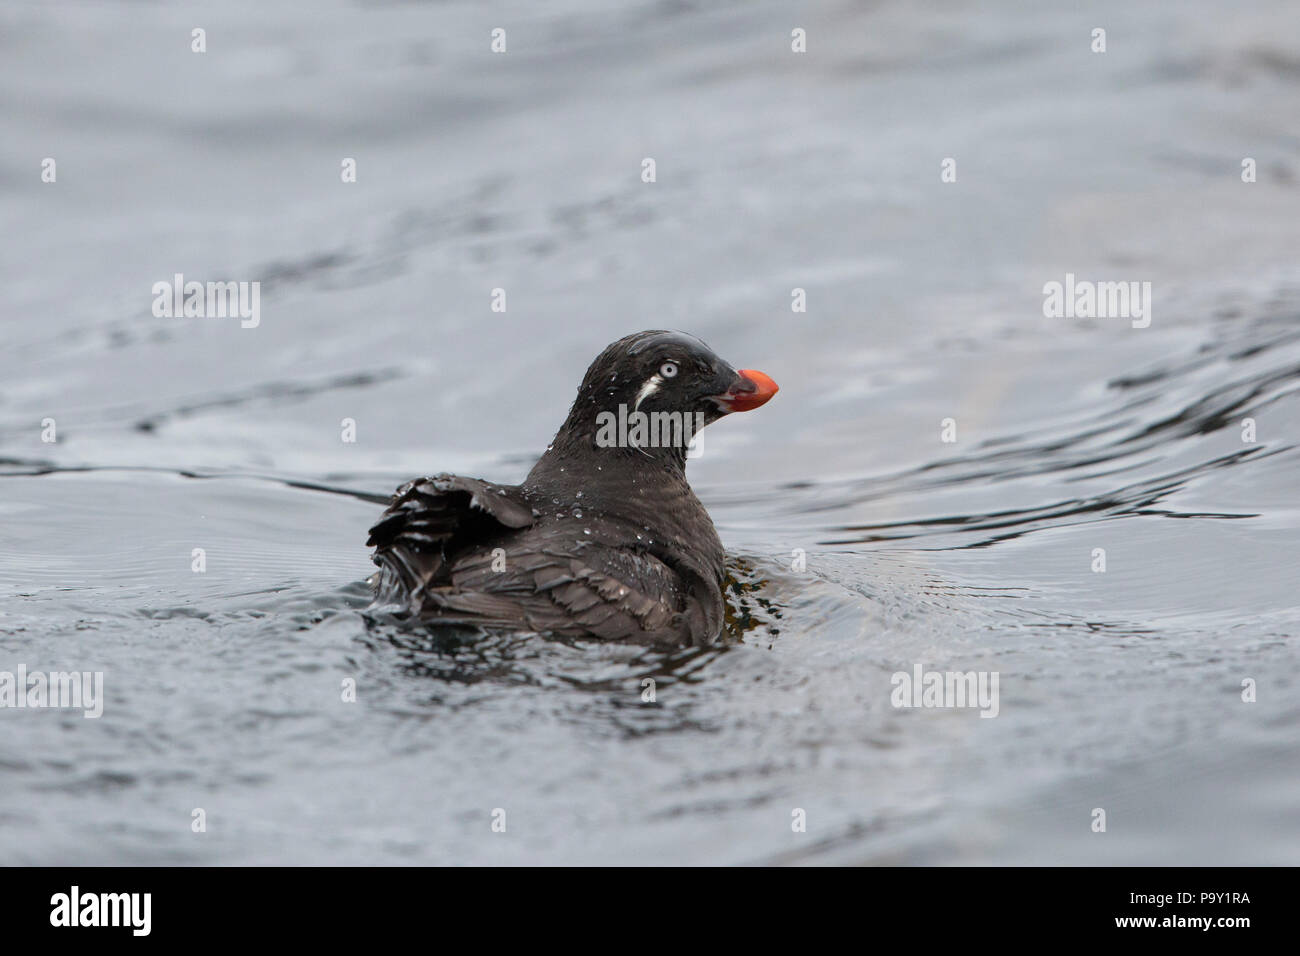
x=604, y=539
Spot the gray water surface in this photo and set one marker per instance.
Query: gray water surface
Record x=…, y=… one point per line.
x=1119, y=690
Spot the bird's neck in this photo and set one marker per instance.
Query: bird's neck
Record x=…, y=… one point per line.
x=575, y=458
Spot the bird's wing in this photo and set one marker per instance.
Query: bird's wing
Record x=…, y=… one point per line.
x=429, y=519
x=596, y=590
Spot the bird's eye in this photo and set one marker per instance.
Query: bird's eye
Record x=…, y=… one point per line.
x=668, y=369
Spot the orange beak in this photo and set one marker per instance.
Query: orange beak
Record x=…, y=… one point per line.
x=753, y=390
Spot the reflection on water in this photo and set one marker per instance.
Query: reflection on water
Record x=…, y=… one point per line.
x=860, y=544
x=751, y=612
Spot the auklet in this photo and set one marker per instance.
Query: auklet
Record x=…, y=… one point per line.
x=604, y=539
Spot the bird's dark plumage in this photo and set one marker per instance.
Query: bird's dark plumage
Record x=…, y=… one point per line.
x=604, y=538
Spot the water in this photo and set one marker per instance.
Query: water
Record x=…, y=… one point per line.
x=1119, y=690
